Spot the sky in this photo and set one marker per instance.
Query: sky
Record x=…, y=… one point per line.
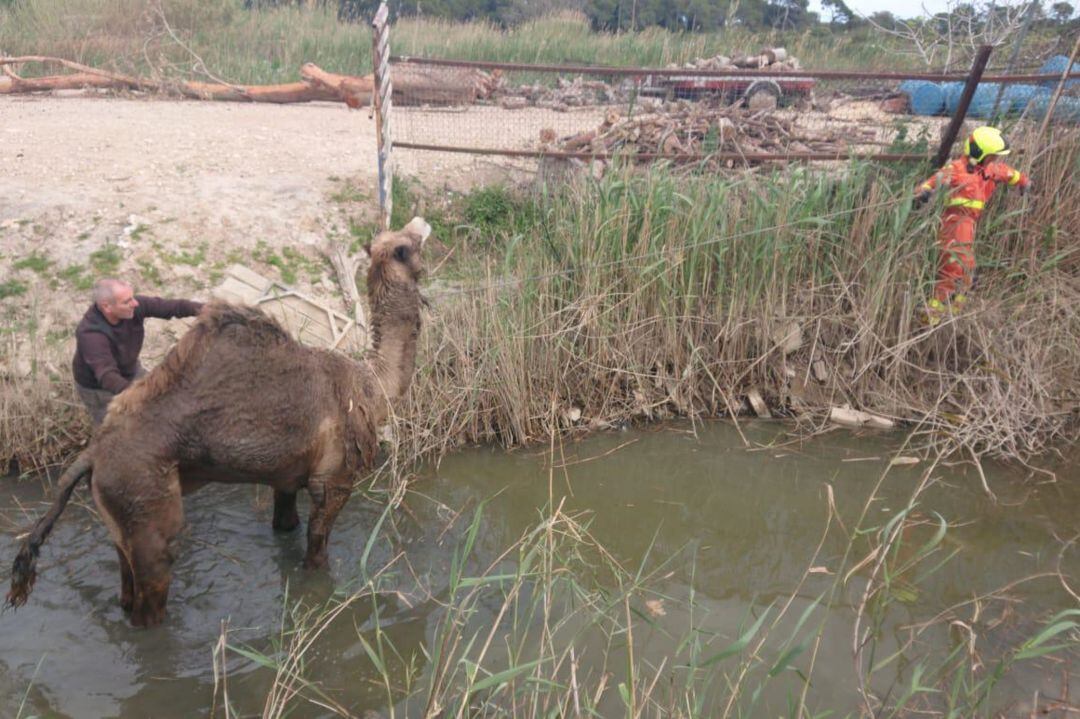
x=901, y=8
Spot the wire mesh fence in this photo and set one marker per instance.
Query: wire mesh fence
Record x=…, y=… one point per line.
x=721, y=111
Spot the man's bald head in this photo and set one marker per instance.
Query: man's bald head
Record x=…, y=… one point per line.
x=105, y=290
x=115, y=298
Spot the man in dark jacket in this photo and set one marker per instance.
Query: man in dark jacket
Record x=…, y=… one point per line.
x=109, y=339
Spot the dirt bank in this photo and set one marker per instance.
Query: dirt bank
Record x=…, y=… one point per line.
x=170, y=192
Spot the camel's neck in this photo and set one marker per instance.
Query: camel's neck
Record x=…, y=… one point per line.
x=395, y=326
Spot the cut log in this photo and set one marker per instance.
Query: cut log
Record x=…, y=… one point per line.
x=76, y=81
x=286, y=93
x=775, y=54
x=579, y=141
x=354, y=91
x=79, y=68
x=317, y=85
x=751, y=62
x=280, y=94
x=439, y=85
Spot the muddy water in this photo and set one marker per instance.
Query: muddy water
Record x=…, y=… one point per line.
x=740, y=526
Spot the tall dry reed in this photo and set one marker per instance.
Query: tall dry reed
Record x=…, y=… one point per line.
x=655, y=294
x=555, y=625
x=651, y=294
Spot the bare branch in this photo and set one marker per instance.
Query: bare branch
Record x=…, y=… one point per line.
x=959, y=29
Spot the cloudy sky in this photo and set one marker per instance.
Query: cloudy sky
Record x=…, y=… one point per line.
x=903, y=8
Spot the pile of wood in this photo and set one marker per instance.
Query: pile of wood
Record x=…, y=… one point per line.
x=578, y=92
x=773, y=58
x=690, y=131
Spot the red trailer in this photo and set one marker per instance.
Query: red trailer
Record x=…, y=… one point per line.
x=783, y=89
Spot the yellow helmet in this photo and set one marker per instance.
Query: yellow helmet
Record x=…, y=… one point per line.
x=985, y=141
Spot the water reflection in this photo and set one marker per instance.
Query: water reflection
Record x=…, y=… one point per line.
x=742, y=525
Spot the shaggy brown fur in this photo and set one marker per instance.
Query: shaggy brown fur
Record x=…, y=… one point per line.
x=238, y=400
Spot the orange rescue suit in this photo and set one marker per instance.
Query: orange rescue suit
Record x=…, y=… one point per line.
x=970, y=187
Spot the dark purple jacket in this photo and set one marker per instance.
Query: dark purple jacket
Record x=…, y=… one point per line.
x=106, y=356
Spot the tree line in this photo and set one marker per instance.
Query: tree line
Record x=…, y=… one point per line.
x=677, y=15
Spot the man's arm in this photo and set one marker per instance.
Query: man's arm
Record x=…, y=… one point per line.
x=1000, y=172
x=167, y=309
x=97, y=352
x=926, y=189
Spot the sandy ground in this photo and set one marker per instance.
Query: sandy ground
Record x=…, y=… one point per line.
x=220, y=182
x=182, y=189
x=219, y=172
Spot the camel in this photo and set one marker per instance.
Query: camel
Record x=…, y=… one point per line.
x=238, y=400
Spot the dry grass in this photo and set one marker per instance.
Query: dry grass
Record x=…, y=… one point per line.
x=41, y=419
x=270, y=44
x=661, y=296
x=652, y=295
x=553, y=624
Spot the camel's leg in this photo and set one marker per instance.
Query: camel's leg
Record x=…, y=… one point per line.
x=327, y=498
x=127, y=581
x=151, y=563
x=106, y=511
x=150, y=543
x=286, y=517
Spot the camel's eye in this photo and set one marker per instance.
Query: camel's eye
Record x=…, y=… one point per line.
x=401, y=253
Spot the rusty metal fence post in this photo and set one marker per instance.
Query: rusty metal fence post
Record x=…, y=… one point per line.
x=381, y=99
x=953, y=129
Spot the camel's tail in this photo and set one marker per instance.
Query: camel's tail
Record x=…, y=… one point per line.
x=23, y=572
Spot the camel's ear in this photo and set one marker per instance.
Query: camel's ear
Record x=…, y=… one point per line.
x=418, y=228
x=367, y=249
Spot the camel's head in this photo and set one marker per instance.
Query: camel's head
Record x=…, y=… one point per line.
x=395, y=256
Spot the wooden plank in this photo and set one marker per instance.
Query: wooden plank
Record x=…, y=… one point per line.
x=308, y=320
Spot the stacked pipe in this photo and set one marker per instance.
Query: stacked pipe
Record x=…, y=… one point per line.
x=942, y=98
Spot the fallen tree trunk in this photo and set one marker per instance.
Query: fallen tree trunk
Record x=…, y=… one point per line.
x=78, y=67
x=412, y=86
x=14, y=85
x=353, y=91
x=434, y=86
x=286, y=93
x=316, y=85
x=280, y=94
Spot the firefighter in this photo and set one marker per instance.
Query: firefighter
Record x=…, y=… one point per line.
x=971, y=180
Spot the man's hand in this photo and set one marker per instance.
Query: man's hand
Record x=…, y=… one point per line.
x=922, y=198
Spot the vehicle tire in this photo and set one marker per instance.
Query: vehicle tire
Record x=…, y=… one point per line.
x=762, y=95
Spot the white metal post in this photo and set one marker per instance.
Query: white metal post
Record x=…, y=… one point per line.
x=381, y=94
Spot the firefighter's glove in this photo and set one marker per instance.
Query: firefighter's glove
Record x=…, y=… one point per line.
x=922, y=198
